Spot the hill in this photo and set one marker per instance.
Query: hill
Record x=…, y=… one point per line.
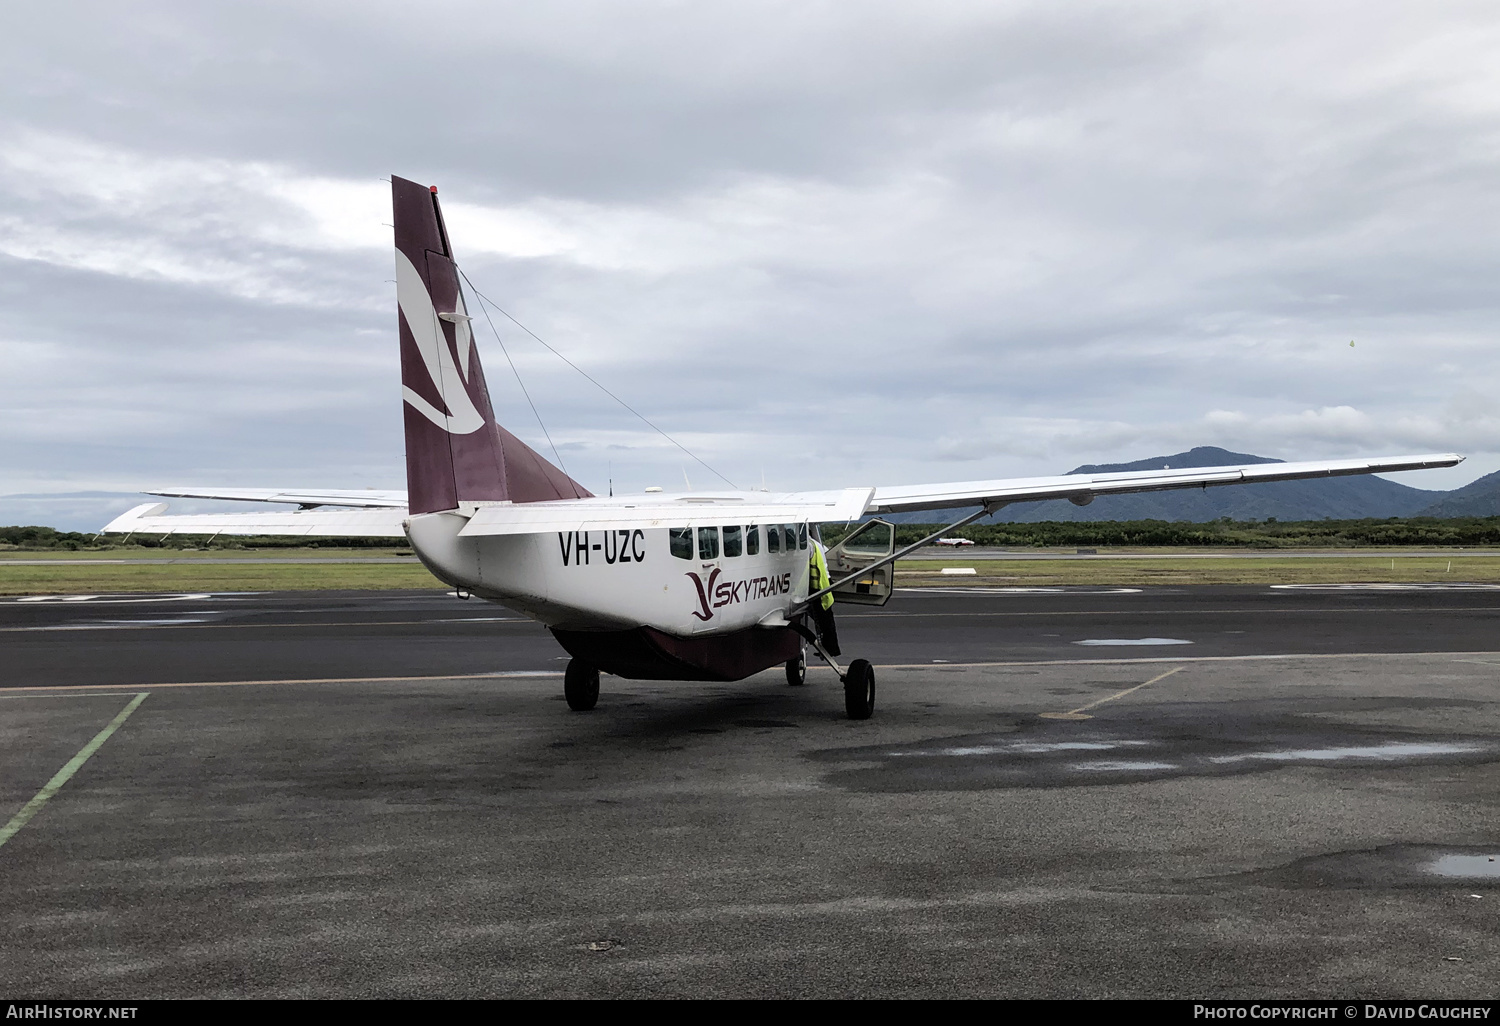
x=1479, y=498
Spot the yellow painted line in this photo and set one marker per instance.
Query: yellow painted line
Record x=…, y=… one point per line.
x=1211, y=611
x=65, y=774
x=8, y=693
x=522, y=674
x=1079, y=714
x=1278, y=657
x=496, y=675
x=66, y=628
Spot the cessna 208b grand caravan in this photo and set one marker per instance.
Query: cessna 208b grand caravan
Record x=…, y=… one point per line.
x=710, y=585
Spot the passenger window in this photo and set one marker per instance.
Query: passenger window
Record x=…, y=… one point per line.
x=752, y=540
x=801, y=536
x=682, y=542
x=731, y=541
x=773, y=537
x=791, y=537
x=708, y=543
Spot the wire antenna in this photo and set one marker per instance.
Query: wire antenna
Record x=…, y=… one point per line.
x=547, y=434
x=485, y=300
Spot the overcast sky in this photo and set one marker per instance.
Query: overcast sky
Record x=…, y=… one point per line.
x=821, y=244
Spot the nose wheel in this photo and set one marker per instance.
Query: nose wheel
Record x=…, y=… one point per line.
x=581, y=686
x=796, y=669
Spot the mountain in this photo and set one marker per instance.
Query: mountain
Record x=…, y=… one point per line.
x=1338, y=498
x=1479, y=498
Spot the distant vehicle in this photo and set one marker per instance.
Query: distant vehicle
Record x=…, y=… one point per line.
x=709, y=585
x=954, y=542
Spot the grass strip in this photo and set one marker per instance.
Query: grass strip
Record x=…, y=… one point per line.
x=107, y=578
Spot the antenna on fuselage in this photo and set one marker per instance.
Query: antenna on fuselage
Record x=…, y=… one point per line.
x=685, y=479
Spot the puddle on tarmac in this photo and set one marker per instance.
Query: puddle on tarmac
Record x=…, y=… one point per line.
x=1018, y=748
x=1179, y=740
x=1404, y=866
x=1122, y=766
x=1466, y=867
x=1386, y=752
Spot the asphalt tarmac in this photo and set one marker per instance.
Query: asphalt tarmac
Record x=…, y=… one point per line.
x=1167, y=792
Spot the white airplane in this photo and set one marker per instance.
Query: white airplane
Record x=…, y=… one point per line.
x=953, y=542
x=710, y=585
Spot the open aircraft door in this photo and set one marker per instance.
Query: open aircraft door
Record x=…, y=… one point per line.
x=869, y=543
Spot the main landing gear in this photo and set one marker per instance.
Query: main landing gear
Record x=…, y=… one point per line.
x=581, y=686
x=859, y=690
x=858, y=679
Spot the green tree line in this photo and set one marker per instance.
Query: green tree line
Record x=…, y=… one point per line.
x=1267, y=534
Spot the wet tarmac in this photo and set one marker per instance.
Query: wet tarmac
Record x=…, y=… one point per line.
x=1303, y=802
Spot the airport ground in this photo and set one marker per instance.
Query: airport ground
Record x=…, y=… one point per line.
x=1244, y=791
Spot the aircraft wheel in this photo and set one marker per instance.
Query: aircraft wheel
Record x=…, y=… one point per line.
x=859, y=690
x=581, y=686
x=796, y=669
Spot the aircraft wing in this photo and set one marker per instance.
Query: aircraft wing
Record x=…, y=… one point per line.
x=368, y=498
x=329, y=523
x=1082, y=488
x=380, y=514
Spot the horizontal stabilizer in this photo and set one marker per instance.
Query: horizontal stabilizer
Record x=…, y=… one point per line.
x=333, y=523
x=367, y=498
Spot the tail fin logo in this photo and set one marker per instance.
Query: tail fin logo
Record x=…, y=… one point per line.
x=449, y=376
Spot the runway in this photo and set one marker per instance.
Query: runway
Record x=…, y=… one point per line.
x=1227, y=792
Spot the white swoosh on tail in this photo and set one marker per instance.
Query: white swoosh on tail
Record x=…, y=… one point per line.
x=416, y=306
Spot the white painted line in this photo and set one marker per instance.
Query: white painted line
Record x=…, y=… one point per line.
x=65, y=774
x=1113, y=642
x=1387, y=587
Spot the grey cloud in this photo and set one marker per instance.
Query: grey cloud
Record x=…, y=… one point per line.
x=841, y=243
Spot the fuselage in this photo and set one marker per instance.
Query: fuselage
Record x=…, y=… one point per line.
x=683, y=581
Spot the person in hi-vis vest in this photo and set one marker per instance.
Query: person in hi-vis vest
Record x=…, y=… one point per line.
x=822, y=610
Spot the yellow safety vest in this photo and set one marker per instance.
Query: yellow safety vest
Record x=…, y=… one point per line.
x=819, y=574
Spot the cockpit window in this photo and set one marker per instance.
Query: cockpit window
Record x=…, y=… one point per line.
x=708, y=543
x=682, y=542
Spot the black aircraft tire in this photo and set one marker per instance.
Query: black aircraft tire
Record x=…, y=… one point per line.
x=859, y=690
x=581, y=686
x=796, y=670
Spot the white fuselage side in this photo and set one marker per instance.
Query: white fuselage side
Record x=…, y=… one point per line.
x=613, y=578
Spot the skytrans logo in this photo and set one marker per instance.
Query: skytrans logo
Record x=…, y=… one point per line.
x=733, y=593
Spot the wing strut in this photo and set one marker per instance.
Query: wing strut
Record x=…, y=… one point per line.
x=984, y=511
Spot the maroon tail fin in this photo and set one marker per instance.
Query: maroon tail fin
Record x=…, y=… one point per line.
x=455, y=451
